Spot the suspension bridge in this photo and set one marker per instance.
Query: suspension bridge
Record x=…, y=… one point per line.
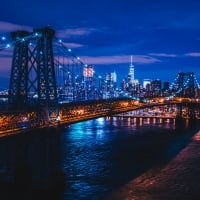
x=51, y=86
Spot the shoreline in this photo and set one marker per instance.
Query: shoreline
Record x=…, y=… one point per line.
x=178, y=179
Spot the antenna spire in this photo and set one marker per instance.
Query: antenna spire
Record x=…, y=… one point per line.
x=131, y=60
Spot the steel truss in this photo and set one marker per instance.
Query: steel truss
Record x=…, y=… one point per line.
x=33, y=80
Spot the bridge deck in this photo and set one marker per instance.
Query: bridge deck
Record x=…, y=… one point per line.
x=32, y=118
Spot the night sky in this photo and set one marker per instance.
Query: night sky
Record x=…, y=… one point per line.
x=162, y=35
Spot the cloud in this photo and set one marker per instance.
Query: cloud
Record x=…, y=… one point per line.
x=66, y=33
x=5, y=66
x=121, y=59
x=6, y=27
x=163, y=55
x=72, y=45
x=6, y=53
x=5, y=61
x=193, y=54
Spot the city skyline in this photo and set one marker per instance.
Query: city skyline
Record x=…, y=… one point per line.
x=163, y=37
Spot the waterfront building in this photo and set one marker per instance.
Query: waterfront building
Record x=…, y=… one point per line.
x=147, y=84
x=156, y=87
x=109, y=89
x=166, y=86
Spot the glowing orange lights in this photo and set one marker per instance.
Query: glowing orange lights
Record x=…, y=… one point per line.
x=197, y=136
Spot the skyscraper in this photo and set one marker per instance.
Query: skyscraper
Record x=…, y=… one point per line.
x=133, y=85
x=131, y=74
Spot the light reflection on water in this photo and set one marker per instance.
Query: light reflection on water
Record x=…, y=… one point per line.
x=101, y=154
x=92, y=157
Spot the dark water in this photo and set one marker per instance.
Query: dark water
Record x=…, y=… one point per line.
x=87, y=160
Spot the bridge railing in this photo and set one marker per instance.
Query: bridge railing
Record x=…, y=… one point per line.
x=19, y=120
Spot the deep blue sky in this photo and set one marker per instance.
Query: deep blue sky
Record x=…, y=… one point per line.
x=162, y=35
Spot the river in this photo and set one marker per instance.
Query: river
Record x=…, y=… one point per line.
x=87, y=160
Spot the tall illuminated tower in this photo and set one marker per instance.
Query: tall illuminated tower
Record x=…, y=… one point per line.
x=131, y=74
x=133, y=85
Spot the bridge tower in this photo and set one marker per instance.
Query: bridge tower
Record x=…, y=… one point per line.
x=185, y=83
x=46, y=79
x=19, y=71
x=33, y=80
x=186, y=88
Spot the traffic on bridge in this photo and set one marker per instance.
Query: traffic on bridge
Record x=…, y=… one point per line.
x=12, y=122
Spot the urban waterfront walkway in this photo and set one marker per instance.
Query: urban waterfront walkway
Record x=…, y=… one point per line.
x=178, y=180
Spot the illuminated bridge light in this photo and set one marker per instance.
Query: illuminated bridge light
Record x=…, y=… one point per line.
x=60, y=41
x=8, y=46
x=69, y=50
x=3, y=38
